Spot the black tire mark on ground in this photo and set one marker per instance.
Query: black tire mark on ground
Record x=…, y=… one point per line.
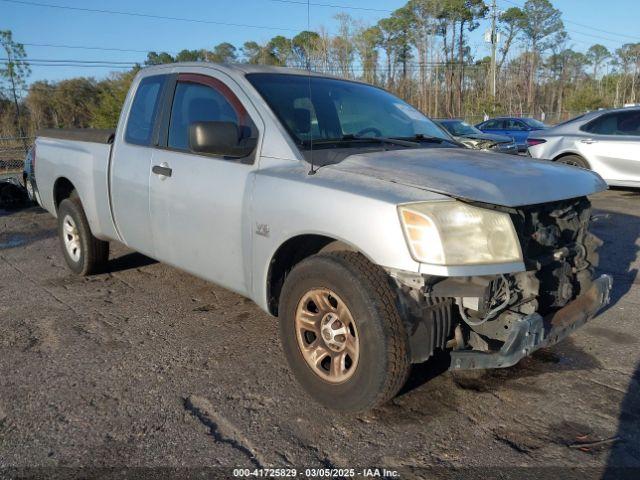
x=221, y=429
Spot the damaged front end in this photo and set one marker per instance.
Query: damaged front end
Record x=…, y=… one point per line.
x=494, y=321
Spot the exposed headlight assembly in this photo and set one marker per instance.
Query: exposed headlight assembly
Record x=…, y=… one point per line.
x=454, y=233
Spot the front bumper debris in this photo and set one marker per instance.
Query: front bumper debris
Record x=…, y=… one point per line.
x=534, y=332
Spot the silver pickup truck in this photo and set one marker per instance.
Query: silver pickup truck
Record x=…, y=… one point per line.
x=372, y=235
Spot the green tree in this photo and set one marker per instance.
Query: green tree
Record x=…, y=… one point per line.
x=190, y=56
x=541, y=25
x=112, y=92
x=223, y=53
x=304, y=46
x=629, y=59
x=280, y=47
x=154, y=58
x=396, y=41
x=596, y=56
x=14, y=72
x=510, y=23
x=251, y=51
x=40, y=104
x=366, y=41
x=74, y=100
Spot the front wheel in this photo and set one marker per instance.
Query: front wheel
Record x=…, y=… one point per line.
x=84, y=253
x=341, y=332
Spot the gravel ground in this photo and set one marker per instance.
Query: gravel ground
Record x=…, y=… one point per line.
x=150, y=367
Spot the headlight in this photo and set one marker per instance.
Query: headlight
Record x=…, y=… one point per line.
x=454, y=233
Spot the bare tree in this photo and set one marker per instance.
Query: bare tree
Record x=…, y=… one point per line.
x=15, y=73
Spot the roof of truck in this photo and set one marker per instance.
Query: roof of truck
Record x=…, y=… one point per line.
x=242, y=68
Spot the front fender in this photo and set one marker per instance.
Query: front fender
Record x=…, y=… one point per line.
x=286, y=208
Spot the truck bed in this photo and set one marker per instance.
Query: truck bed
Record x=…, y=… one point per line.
x=93, y=135
x=81, y=158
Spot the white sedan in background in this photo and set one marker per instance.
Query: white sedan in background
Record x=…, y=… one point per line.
x=605, y=141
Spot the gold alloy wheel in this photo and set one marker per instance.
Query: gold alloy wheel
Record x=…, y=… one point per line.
x=327, y=335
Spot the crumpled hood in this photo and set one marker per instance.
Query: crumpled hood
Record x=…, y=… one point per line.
x=492, y=178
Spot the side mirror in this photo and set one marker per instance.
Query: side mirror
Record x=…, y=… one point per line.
x=219, y=138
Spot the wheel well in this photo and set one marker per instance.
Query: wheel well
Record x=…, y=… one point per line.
x=571, y=154
x=292, y=252
x=62, y=189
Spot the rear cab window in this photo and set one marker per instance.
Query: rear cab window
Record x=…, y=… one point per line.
x=144, y=110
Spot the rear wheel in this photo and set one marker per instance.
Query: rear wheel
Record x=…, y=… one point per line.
x=341, y=332
x=29, y=187
x=84, y=253
x=575, y=161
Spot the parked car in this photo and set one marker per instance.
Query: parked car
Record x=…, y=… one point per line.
x=605, y=141
x=517, y=128
x=473, y=138
x=28, y=177
x=373, y=237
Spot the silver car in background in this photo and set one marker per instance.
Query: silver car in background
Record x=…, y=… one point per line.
x=605, y=141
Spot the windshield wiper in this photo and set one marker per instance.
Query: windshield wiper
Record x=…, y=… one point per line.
x=420, y=137
x=392, y=141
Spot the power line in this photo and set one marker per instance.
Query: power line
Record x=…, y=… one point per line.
x=350, y=7
x=55, y=60
x=603, y=31
x=80, y=47
x=80, y=65
x=332, y=5
x=146, y=15
x=583, y=25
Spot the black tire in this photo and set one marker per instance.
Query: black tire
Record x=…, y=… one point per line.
x=29, y=188
x=575, y=161
x=94, y=253
x=384, y=361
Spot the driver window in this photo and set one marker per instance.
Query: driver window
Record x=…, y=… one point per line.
x=513, y=125
x=194, y=102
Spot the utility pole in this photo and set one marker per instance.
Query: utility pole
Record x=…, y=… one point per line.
x=494, y=45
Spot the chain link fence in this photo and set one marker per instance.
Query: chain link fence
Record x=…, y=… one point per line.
x=550, y=118
x=14, y=149
x=12, y=153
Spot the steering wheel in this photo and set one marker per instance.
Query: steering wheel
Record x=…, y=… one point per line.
x=374, y=130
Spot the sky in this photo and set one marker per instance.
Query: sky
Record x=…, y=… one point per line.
x=611, y=23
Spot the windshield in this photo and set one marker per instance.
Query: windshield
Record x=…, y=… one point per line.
x=532, y=122
x=460, y=128
x=339, y=110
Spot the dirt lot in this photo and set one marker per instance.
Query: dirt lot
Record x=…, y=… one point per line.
x=146, y=366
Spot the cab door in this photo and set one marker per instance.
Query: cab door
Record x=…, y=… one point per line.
x=131, y=164
x=518, y=131
x=199, y=203
x=611, y=143
x=492, y=126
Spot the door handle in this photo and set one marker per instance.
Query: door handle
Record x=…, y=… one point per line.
x=588, y=140
x=162, y=170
